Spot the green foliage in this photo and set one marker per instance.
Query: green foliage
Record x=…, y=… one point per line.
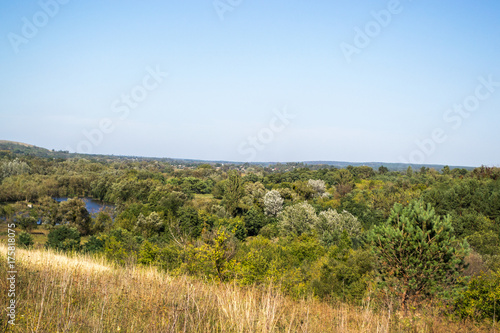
x=115, y=251
x=233, y=192
x=481, y=299
x=235, y=225
x=25, y=240
x=289, y=263
x=101, y=223
x=418, y=254
x=26, y=222
x=270, y=230
x=64, y=238
x=255, y=220
x=213, y=258
x=147, y=253
x=302, y=240
x=383, y=170
x=75, y=213
x=150, y=225
x=93, y=245
x=169, y=258
x=190, y=223
x=346, y=273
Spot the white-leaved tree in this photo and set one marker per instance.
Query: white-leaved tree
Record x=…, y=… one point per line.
x=331, y=224
x=273, y=203
x=319, y=187
x=13, y=168
x=297, y=219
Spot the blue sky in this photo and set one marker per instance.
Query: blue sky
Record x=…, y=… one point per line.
x=365, y=81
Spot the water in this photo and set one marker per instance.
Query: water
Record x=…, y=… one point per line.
x=92, y=205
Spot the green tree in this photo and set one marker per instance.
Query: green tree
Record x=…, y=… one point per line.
x=102, y=222
x=409, y=171
x=255, y=220
x=345, y=274
x=417, y=251
x=26, y=222
x=147, y=253
x=233, y=192
x=76, y=214
x=382, y=170
x=189, y=222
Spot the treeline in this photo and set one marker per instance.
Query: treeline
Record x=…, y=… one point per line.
x=348, y=234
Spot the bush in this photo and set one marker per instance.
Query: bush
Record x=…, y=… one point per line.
x=255, y=220
x=93, y=245
x=346, y=273
x=25, y=240
x=481, y=299
x=147, y=253
x=64, y=238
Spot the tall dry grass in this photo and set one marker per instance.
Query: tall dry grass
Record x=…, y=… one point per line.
x=59, y=293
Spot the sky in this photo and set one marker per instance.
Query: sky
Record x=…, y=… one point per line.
x=254, y=80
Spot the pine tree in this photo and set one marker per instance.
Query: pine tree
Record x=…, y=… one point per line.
x=418, y=254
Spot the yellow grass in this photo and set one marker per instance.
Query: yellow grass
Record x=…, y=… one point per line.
x=59, y=293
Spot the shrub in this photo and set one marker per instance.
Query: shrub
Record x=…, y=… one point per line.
x=481, y=299
x=25, y=240
x=93, y=245
x=346, y=273
x=64, y=238
x=147, y=253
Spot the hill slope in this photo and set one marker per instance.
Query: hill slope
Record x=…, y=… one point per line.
x=80, y=294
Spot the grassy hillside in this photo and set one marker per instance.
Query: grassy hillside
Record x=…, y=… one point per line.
x=58, y=293
x=19, y=148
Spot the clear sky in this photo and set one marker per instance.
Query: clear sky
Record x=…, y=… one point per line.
x=255, y=80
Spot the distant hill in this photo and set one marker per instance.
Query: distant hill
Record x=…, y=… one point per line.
x=13, y=143
x=390, y=166
x=19, y=148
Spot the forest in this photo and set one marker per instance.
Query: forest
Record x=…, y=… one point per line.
x=399, y=239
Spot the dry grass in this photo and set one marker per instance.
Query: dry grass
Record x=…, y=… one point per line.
x=59, y=293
